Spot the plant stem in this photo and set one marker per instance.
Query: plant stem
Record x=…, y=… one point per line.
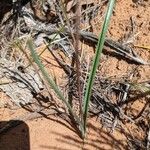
x=99, y=48
x=77, y=54
x=53, y=85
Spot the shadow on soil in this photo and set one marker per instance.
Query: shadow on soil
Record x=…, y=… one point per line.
x=98, y=139
x=16, y=138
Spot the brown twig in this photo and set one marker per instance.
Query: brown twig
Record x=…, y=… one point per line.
x=77, y=53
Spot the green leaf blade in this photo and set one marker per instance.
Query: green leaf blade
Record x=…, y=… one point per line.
x=99, y=49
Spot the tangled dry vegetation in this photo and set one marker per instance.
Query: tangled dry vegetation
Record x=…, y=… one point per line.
x=52, y=26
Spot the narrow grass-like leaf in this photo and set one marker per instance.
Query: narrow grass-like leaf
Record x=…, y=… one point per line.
x=52, y=84
x=99, y=48
x=44, y=72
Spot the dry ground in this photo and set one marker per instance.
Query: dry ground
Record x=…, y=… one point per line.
x=53, y=133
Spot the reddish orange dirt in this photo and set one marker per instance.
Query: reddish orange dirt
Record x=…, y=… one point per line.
x=54, y=133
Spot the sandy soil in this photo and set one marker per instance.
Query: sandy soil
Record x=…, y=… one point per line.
x=53, y=133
